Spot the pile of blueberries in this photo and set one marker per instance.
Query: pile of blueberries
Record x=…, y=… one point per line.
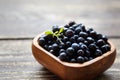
x=75, y=44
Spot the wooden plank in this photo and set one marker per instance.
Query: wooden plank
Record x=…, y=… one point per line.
x=17, y=62
x=23, y=18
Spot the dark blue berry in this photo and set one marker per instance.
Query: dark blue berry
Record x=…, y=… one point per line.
x=87, y=53
x=83, y=34
x=49, y=47
x=75, y=46
x=42, y=41
x=55, y=28
x=62, y=50
x=83, y=47
x=80, y=52
x=80, y=59
x=89, y=30
x=80, y=39
x=70, y=51
x=68, y=43
x=90, y=40
x=66, y=26
x=76, y=37
x=55, y=47
x=71, y=23
x=72, y=28
x=62, y=56
x=100, y=42
x=73, y=60
x=104, y=48
x=98, y=52
x=78, y=30
x=86, y=58
x=105, y=38
x=92, y=47
x=108, y=47
x=69, y=33
x=93, y=34
x=62, y=45
x=72, y=39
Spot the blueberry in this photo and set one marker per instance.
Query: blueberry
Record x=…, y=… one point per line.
x=71, y=23
x=62, y=50
x=98, y=52
x=52, y=51
x=72, y=28
x=75, y=46
x=83, y=47
x=72, y=39
x=80, y=43
x=80, y=59
x=80, y=39
x=87, y=53
x=82, y=27
x=64, y=39
x=62, y=45
x=49, y=47
x=90, y=58
x=73, y=60
x=104, y=48
x=80, y=52
x=100, y=42
x=83, y=34
x=55, y=28
x=93, y=34
x=108, y=47
x=68, y=43
x=92, y=47
x=46, y=46
x=89, y=30
x=55, y=47
x=70, y=51
x=78, y=30
x=62, y=56
x=99, y=36
x=105, y=38
x=76, y=37
x=86, y=58
x=69, y=33
x=66, y=26
x=86, y=42
x=42, y=41
x=90, y=40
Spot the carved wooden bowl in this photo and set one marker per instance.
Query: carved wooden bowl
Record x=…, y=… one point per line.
x=73, y=71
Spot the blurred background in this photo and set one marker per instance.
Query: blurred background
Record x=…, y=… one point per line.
x=27, y=18
x=22, y=20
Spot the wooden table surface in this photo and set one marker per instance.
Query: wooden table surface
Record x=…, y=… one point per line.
x=21, y=20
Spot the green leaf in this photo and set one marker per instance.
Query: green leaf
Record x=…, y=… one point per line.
x=56, y=32
x=61, y=30
x=49, y=33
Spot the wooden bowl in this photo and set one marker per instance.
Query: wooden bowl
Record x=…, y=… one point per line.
x=73, y=71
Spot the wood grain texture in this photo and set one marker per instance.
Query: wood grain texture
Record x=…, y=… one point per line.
x=19, y=18
x=17, y=63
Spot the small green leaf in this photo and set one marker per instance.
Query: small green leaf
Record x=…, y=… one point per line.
x=56, y=32
x=61, y=30
x=49, y=33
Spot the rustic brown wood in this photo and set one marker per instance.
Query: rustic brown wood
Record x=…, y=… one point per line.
x=73, y=71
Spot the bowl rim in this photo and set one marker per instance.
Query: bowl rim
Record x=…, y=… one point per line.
x=76, y=65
